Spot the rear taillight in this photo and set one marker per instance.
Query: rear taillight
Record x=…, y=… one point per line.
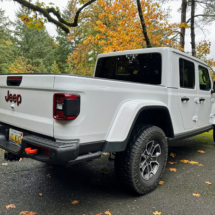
x=66, y=106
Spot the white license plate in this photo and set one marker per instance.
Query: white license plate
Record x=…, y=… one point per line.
x=15, y=137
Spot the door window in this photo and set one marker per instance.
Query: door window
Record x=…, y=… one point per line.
x=204, y=79
x=187, y=74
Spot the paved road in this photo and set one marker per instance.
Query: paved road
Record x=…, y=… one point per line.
x=21, y=182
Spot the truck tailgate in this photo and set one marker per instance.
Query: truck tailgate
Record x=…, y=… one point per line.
x=35, y=112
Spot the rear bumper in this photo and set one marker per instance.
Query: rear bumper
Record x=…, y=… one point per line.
x=60, y=152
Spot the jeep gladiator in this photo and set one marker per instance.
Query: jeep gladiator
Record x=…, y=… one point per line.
x=137, y=101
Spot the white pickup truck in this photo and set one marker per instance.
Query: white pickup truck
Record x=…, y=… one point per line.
x=136, y=102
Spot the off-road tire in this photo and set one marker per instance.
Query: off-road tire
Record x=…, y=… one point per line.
x=127, y=163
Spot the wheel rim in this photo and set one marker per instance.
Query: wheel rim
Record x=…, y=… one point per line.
x=149, y=164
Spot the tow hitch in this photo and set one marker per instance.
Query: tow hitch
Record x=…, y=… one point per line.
x=11, y=157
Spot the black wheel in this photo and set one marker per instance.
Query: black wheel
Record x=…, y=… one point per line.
x=142, y=164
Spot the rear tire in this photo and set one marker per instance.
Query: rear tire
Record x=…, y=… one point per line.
x=142, y=164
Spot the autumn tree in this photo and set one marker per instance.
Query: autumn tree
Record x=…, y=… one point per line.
x=203, y=49
x=115, y=26
x=21, y=65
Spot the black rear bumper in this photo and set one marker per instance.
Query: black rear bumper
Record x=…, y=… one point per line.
x=60, y=152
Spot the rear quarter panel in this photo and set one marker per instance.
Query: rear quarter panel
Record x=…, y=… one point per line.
x=101, y=100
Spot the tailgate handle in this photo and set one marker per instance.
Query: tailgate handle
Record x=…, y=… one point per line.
x=14, y=80
x=31, y=151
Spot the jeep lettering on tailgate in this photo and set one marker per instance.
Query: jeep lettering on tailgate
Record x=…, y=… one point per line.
x=13, y=97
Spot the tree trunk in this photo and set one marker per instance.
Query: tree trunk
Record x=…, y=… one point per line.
x=193, y=40
x=148, y=44
x=183, y=20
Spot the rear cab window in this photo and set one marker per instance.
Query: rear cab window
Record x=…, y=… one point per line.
x=138, y=68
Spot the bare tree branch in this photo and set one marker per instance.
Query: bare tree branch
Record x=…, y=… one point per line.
x=202, y=15
x=59, y=22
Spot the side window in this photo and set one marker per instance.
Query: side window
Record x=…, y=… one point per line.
x=187, y=74
x=204, y=79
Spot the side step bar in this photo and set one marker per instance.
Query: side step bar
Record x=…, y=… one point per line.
x=84, y=158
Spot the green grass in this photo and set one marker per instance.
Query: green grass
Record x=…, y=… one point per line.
x=206, y=137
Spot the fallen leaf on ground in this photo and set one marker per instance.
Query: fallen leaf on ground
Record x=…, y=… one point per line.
x=200, y=151
x=184, y=161
x=190, y=162
x=196, y=194
x=207, y=182
x=157, y=213
x=20, y=159
x=48, y=176
x=193, y=162
x=4, y=164
x=10, y=206
x=161, y=182
x=99, y=214
x=40, y=194
x=170, y=162
x=31, y=213
x=106, y=153
x=173, y=169
x=108, y=212
x=23, y=213
x=74, y=202
x=104, y=170
x=27, y=213
x=173, y=155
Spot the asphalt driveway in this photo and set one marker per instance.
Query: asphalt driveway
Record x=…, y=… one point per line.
x=94, y=186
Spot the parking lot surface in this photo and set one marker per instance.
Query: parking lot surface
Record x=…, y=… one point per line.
x=94, y=187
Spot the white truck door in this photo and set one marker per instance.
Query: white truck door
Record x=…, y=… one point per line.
x=204, y=95
x=187, y=93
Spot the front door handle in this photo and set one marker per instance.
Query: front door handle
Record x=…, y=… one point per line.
x=201, y=99
x=185, y=99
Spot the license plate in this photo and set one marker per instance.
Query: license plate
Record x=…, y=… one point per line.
x=15, y=137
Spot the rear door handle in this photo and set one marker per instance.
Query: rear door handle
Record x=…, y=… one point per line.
x=185, y=99
x=201, y=99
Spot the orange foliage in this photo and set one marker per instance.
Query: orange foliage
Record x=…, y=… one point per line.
x=21, y=66
x=114, y=25
x=203, y=50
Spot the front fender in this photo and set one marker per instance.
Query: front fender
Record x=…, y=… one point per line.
x=126, y=117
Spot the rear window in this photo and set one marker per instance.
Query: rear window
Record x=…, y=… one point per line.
x=139, y=68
